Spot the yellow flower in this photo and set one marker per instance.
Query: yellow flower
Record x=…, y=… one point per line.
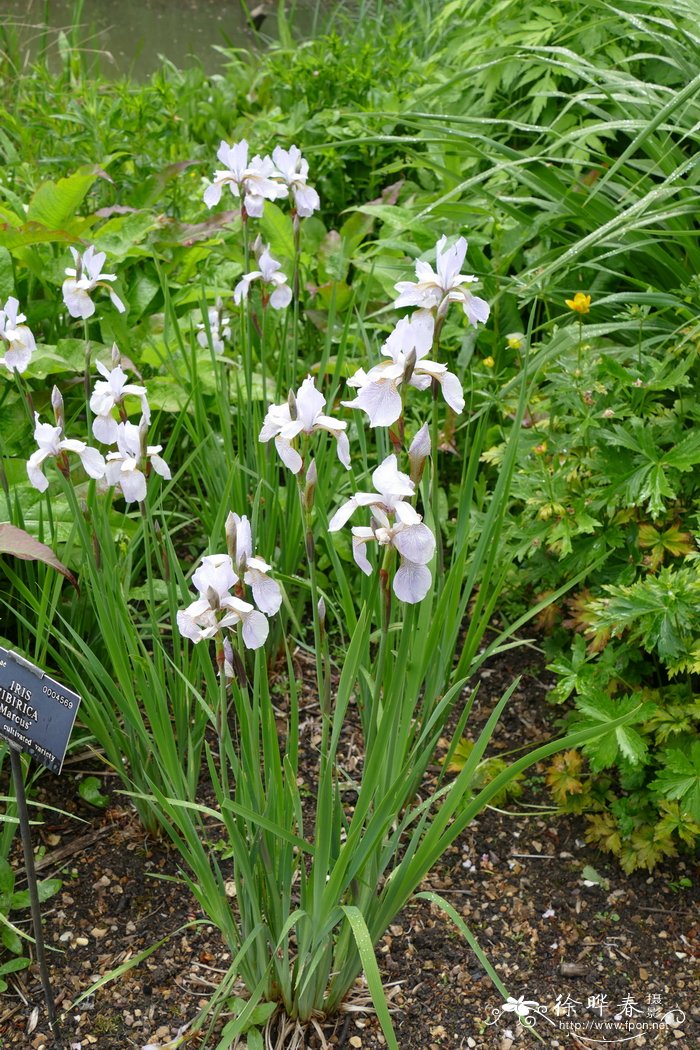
x=514, y=340
x=489, y=362
x=580, y=303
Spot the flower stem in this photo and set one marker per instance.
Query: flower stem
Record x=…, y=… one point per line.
x=372, y=723
x=434, y=477
x=322, y=676
x=295, y=294
x=222, y=727
x=88, y=351
x=5, y=485
x=25, y=397
x=245, y=314
x=263, y=352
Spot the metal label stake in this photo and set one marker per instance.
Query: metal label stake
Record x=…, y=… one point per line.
x=36, y=716
x=26, y=834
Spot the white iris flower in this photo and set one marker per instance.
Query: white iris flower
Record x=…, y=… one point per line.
x=253, y=182
x=294, y=170
x=303, y=414
x=109, y=393
x=251, y=569
x=53, y=445
x=406, y=350
x=219, y=326
x=396, y=523
x=270, y=274
x=126, y=468
x=16, y=337
x=436, y=289
x=83, y=278
x=216, y=608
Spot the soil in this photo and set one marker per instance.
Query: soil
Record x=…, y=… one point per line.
x=515, y=877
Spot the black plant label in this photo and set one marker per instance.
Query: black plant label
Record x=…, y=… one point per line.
x=36, y=713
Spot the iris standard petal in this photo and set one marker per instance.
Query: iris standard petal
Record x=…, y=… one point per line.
x=215, y=573
x=449, y=261
x=390, y=481
x=243, y=538
x=310, y=403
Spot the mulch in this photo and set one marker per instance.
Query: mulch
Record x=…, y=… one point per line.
x=515, y=877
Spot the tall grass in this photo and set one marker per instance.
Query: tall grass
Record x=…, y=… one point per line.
x=573, y=140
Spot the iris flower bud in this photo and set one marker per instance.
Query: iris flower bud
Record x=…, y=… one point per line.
x=418, y=452
x=57, y=406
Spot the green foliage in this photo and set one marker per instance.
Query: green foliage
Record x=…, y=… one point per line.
x=13, y=900
x=661, y=613
x=680, y=779
x=89, y=791
x=645, y=806
x=623, y=744
x=564, y=141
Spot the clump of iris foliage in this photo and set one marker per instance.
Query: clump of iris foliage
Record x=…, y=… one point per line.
x=554, y=470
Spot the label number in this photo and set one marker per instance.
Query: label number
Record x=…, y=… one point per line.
x=57, y=696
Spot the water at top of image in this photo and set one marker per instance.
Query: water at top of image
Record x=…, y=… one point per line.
x=127, y=37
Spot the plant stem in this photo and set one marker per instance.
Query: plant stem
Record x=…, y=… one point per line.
x=25, y=397
x=263, y=352
x=372, y=726
x=245, y=314
x=322, y=678
x=86, y=381
x=222, y=727
x=295, y=293
x=434, y=477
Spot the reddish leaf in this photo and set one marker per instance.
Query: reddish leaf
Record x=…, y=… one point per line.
x=20, y=544
x=191, y=232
